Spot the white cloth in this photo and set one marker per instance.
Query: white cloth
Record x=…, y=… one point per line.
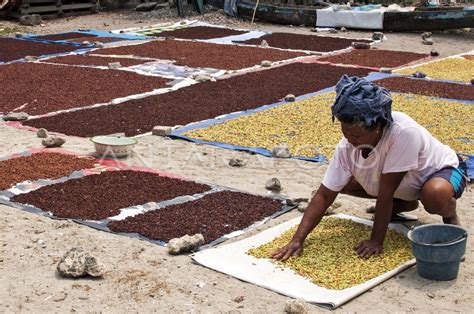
x=405, y=146
x=350, y=18
x=231, y=259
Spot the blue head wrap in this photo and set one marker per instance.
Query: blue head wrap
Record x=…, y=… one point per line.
x=357, y=97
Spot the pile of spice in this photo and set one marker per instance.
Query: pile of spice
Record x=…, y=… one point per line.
x=328, y=258
x=213, y=216
x=307, y=128
x=14, y=49
x=97, y=197
x=451, y=69
x=199, y=32
x=94, y=60
x=42, y=88
x=198, y=102
x=199, y=54
x=428, y=88
x=304, y=126
x=40, y=166
x=375, y=58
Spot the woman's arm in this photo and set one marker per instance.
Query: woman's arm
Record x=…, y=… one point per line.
x=321, y=201
x=389, y=182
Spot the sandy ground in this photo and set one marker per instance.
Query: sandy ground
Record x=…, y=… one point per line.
x=141, y=276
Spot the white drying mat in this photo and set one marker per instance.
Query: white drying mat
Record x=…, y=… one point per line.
x=231, y=260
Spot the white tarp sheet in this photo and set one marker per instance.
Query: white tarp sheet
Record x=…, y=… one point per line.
x=231, y=260
x=349, y=18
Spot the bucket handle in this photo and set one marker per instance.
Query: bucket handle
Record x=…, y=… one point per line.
x=462, y=236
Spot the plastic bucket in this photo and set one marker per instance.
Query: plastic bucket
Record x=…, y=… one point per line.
x=438, y=249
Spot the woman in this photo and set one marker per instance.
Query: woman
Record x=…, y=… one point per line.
x=384, y=156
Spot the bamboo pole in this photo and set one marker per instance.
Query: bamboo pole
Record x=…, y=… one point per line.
x=255, y=10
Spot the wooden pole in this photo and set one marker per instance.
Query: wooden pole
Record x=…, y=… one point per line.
x=254, y=10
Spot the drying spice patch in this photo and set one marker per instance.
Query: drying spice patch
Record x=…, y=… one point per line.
x=97, y=197
x=428, y=88
x=200, y=32
x=14, y=49
x=449, y=121
x=95, y=39
x=213, y=216
x=198, y=102
x=375, y=58
x=198, y=54
x=93, y=60
x=328, y=258
x=65, y=36
x=452, y=69
x=40, y=166
x=303, y=42
x=307, y=128
x=37, y=88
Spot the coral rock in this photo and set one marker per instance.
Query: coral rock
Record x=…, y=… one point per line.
x=377, y=36
x=419, y=74
x=202, y=78
x=386, y=70
x=161, y=130
x=434, y=53
x=427, y=41
x=42, y=133
x=302, y=206
x=426, y=35
x=31, y=20
x=281, y=151
x=360, y=45
x=185, y=244
x=273, y=184
x=53, y=141
x=114, y=65
x=296, y=307
x=266, y=63
x=77, y=263
x=236, y=162
x=15, y=116
x=290, y=97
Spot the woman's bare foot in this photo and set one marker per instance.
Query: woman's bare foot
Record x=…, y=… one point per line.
x=453, y=220
x=401, y=206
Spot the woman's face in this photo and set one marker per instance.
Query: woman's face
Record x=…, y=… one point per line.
x=360, y=137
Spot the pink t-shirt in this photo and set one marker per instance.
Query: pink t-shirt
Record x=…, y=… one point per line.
x=405, y=146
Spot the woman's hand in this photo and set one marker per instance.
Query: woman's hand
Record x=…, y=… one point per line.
x=323, y=198
x=367, y=248
x=294, y=248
